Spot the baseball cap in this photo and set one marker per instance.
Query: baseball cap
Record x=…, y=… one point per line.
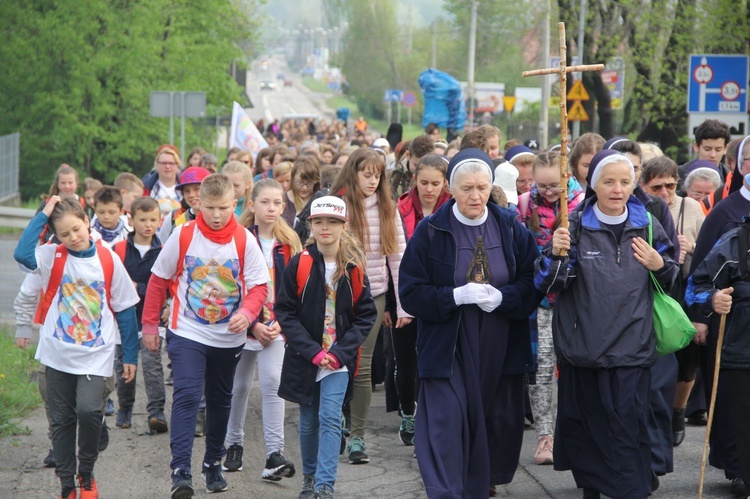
x=328, y=206
x=505, y=177
x=381, y=142
x=192, y=175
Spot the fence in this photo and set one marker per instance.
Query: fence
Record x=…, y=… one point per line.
x=9, y=167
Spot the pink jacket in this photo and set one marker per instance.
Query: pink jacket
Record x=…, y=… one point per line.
x=377, y=263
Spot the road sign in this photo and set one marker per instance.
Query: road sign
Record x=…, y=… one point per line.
x=508, y=103
x=195, y=104
x=393, y=95
x=578, y=92
x=577, y=112
x=613, y=78
x=738, y=122
x=718, y=84
x=409, y=99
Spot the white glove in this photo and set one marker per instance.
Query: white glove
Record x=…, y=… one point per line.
x=495, y=298
x=469, y=294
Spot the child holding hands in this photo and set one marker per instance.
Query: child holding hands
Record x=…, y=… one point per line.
x=87, y=290
x=325, y=323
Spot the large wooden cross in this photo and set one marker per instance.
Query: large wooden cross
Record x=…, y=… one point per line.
x=563, y=71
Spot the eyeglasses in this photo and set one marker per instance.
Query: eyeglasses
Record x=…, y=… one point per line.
x=548, y=188
x=166, y=163
x=304, y=183
x=525, y=182
x=658, y=187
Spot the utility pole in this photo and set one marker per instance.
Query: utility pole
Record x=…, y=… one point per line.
x=544, y=108
x=472, y=54
x=581, y=26
x=411, y=26
x=434, y=43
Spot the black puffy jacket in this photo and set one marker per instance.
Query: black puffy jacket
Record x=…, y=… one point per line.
x=302, y=321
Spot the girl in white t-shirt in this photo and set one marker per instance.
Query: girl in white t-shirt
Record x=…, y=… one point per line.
x=91, y=291
x=326, y=310
x=265, y=344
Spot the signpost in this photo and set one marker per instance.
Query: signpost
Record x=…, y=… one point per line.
x=718, y=89
x=408, y=100
x=188, y=105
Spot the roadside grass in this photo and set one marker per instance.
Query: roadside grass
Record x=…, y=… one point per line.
x=18, y=388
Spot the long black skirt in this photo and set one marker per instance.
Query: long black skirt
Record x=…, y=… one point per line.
x=602, y=429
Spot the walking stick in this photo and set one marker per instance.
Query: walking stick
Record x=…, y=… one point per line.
x=719, y=343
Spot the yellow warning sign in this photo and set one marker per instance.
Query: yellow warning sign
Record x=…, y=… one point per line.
x=577, y=112
x=578, y=92
x=509, y=102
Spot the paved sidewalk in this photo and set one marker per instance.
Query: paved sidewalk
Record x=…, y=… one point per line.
x=136, y=465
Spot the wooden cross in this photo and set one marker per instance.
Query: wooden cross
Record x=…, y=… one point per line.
x=563, y=71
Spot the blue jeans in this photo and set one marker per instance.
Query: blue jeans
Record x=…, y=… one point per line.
x=200, y=370
x=320, y=429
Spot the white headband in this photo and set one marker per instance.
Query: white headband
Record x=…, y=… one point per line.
x=614, y=158
x=466, y=162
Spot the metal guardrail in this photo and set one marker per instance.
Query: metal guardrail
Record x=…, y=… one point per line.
x=15, y=218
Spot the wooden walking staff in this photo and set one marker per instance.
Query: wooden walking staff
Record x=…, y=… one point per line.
x=563, y=71
x=719, y=344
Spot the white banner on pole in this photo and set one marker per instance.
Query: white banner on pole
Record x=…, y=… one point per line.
x=244, y=134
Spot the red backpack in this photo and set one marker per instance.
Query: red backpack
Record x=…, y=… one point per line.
x=58, y=265
x=186, y=235
x=121, y=249
x=305, y=268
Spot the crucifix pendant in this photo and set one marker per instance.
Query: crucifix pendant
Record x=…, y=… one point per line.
x=479, y=270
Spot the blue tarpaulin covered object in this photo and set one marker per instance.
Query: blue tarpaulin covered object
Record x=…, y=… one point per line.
x=443, y=100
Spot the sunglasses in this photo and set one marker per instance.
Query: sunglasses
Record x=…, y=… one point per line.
x=658, y=187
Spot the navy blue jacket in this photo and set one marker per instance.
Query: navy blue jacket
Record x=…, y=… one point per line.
x=718, y=270
x=139, y=269
x=302, y=319
x=604, y=312
x=281, y=255
x=426, y=284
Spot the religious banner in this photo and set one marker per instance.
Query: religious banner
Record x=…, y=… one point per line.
x=244, y=134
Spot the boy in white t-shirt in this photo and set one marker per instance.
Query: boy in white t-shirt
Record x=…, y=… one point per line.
x=218, y=278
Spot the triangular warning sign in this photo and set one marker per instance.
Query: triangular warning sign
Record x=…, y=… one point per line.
x=577, y=112
x=578, y=92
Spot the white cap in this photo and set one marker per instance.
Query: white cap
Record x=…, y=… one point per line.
x=328, y=206
x=505, y=177
x=381, y=142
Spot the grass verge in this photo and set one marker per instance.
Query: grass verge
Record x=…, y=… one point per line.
x=18, y=390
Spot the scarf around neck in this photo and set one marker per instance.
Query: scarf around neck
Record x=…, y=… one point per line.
x=109, y=235
x=221, y=236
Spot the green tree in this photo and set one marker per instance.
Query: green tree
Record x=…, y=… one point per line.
x=82, y=73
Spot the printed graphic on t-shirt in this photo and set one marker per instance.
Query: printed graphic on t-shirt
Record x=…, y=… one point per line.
x=80, y=307
x=268, y=313
x=167, y=205
x=329, y=328
x=212, y=292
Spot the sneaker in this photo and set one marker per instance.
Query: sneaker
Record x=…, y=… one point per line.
x=109, y=409
x=200, y=423
x=124, y=417
x=213, y=478
x=157, y=423
x=277, y=468
x=182, y=484
x=104, y=436
x=87, y=487
x=678, y=426
x=49, y=461
x=325, y=492
x=543, y=454
x=356, y=450
x=70, y=493
x=406, y=430
x=308, y=487
x=233, y=461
